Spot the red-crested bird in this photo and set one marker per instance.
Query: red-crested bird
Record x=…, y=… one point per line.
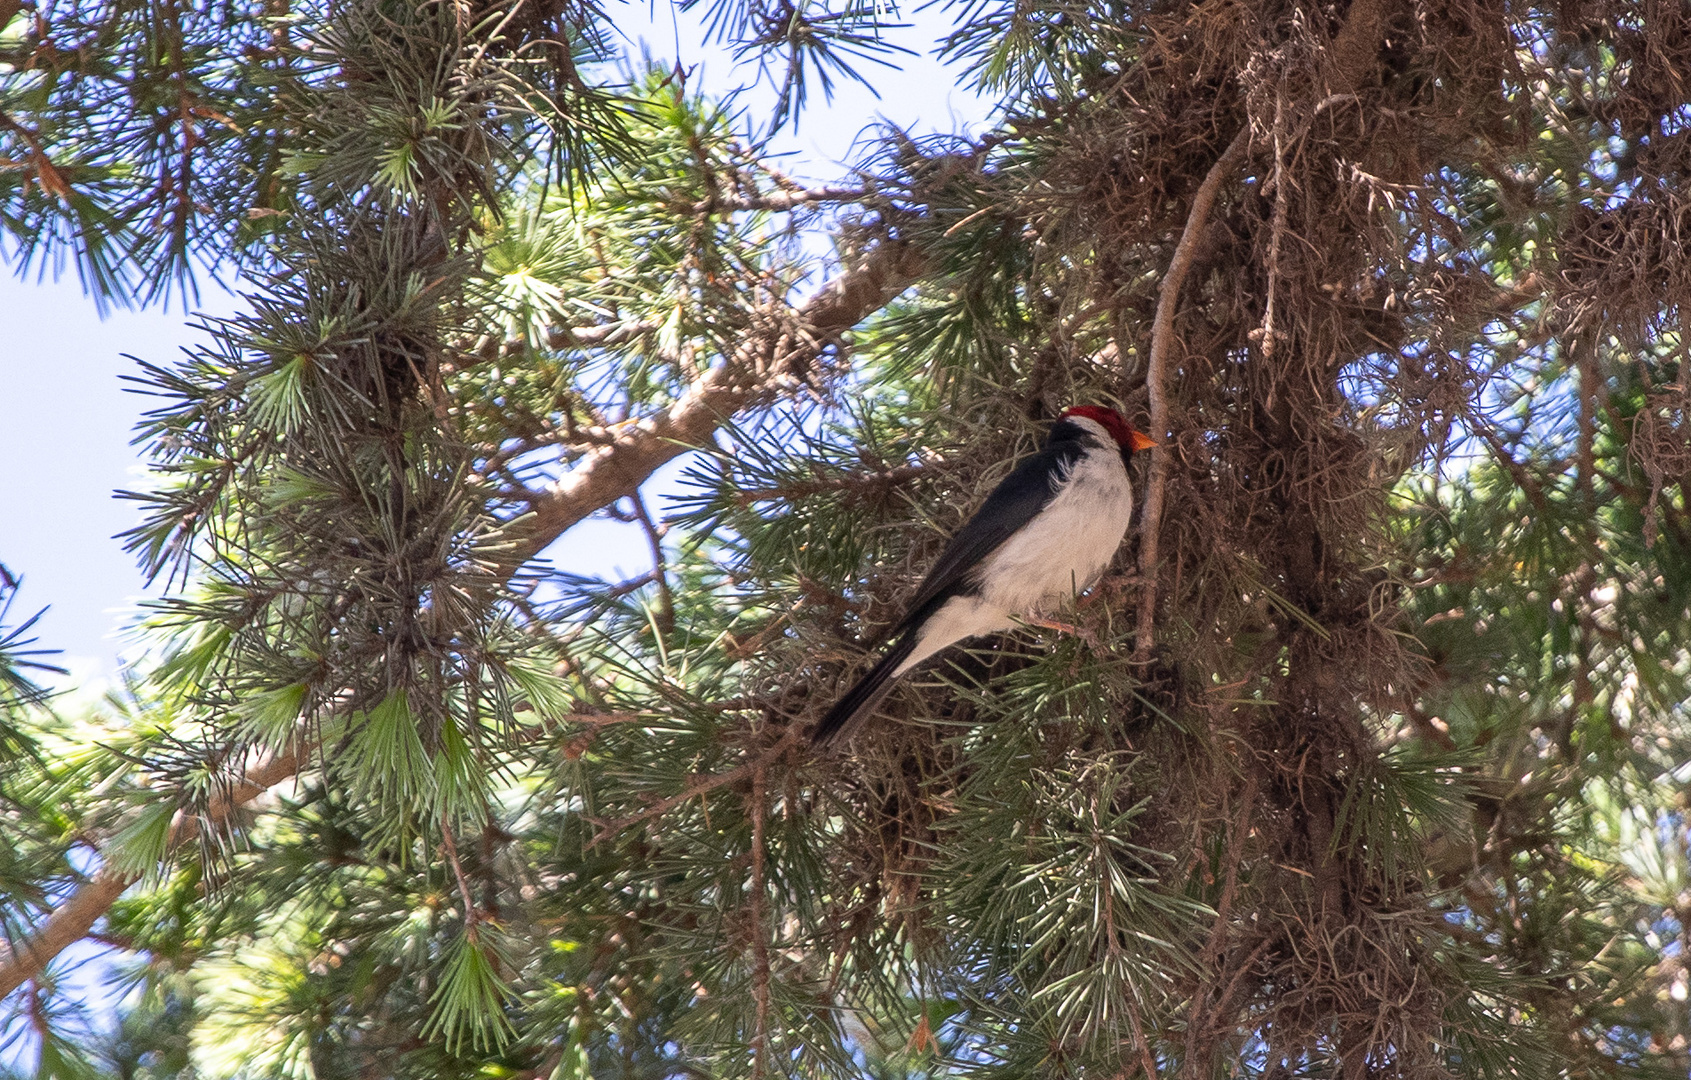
x=1048, y=531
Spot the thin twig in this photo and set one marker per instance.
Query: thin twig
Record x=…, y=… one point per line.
x=603, y=334
x=1231, y=990
x=1156, y=382
x=1270, y=336
x=760, y=943
x=695, y=788
x=654, y=540
x=450, y=843
x=1585, y=578
x=634, y=584
x=1517, y=472
x=849, y=482
x=1147, y=1060
x=1202, y=1009
x=778, y=201
x=1235, y=855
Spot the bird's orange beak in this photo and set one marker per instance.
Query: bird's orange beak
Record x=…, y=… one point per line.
x=1140, y=441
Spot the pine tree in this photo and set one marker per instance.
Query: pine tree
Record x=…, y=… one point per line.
x=1367, y=759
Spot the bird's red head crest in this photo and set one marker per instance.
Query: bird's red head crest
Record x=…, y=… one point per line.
x=1114, y=424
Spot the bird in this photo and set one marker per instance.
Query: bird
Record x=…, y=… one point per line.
x=1047, y=531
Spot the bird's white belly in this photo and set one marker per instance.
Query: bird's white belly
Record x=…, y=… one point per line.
x=1064, y=549
x=1056, y=555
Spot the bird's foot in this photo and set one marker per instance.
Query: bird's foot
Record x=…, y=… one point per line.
x=1071, y=629
x=1114, y=586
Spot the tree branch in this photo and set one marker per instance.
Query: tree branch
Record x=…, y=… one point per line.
x=778, y=201
x=1156, y=382
x=660, y=573
x=760, y=943
x=1353, y=58
x=767, y=361
x=582, y=337
x=771, y=358
x=72, y=920
x=696, y=787
x=848, y=482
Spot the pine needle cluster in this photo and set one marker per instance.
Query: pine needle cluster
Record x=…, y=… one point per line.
x=1365, y=760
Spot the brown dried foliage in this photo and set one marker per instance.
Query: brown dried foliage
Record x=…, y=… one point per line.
x=1335, y=268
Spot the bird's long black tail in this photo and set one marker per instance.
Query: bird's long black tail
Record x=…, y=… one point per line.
x=861, y=699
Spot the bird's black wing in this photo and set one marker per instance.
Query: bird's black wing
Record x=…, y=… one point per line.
x=1031, y=485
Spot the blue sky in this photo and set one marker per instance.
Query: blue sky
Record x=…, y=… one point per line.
x=66, y=419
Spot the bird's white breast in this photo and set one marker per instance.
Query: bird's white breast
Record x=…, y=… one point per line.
x=1067, y=546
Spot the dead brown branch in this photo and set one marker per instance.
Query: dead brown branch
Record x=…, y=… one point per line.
x=583, y=337
x=1156, y=381
x=1269, y=335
